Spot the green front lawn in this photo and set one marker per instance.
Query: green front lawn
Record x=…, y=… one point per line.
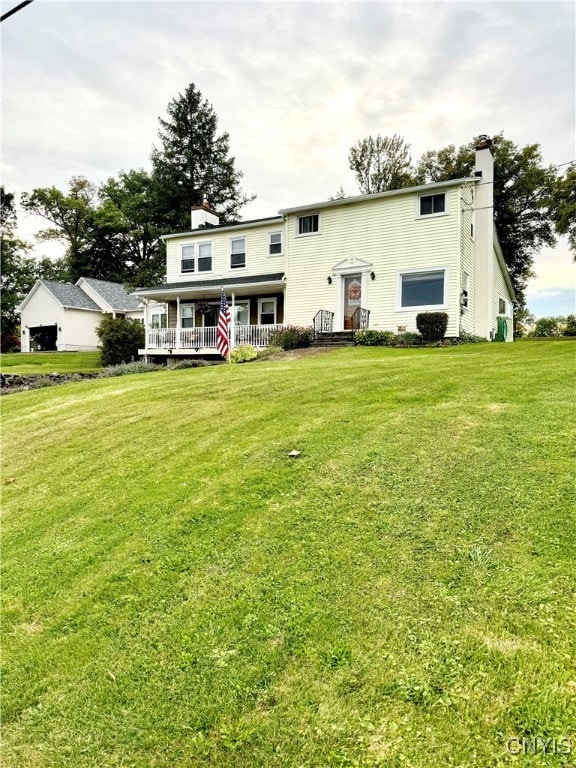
x=179, y=592
x=50, y=362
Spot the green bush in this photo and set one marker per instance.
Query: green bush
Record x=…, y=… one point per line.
x=126, y=369
x=371, y=338
x=121, y=339
x=432, y=325
x=548, y=326
x=570, y=326
x=292, y=337
x=268, y=352
x=189, y=363
x=469, y=338
x=406, y=339
x=242, y=354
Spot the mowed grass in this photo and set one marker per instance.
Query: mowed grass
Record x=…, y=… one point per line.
x=49, y=362
x=179, y=592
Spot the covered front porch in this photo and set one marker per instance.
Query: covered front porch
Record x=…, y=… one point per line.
x=188, y=324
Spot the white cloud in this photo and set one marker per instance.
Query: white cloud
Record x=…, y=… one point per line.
x=294, y=84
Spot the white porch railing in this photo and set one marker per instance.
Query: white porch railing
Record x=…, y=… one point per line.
x=205, y=338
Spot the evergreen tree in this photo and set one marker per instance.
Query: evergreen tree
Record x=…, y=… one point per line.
x=193, y=164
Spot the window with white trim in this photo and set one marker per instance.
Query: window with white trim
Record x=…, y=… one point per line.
x=242, y=313
x=187, y=315
x=237, y=252
x=309, y=224
x=432, y=205
x=159, y=319
x=275, y=244
x=423, y=290
x=266, y=311
x=502, y=307
x=196, y=257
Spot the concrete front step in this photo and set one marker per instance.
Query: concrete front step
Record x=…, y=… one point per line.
x=334, y=339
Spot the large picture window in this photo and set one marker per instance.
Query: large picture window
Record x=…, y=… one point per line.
x=423, y=290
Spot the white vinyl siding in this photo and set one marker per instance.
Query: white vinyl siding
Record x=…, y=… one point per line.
x=384, y=234
x=257, y=243
x=467, y=249
x=501, y=292
x=79, y=331
x=76, y=327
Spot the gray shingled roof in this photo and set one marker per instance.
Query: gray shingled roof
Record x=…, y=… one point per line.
x=244, y=280
x=114, y=295
x=70, y=295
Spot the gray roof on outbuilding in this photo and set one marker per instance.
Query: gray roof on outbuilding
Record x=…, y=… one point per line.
x=70, y=295
x=114, y=295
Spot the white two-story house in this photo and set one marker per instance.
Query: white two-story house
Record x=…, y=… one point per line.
x=372, y=261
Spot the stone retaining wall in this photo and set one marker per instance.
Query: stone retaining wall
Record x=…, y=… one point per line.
x=16, y=382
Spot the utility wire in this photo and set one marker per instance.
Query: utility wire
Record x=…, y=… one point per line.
x=15, y=9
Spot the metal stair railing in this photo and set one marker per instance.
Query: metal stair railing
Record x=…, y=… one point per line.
x=360, y=319
x=323, y=322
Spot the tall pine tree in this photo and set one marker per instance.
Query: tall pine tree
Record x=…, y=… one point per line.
x=193, y=164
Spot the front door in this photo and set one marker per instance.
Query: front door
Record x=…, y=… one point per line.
x=352, y=300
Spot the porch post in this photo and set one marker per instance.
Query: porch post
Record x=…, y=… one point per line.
x=233, y=323
x=145, y=302
x=178, y=322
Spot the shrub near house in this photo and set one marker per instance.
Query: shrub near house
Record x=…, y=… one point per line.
x=120, y=340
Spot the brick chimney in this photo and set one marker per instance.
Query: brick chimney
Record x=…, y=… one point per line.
x=484, y=239
x=202, y=216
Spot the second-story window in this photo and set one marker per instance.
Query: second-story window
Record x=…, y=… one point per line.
x=188, y=258
x=275, y=244
x=237, y=252
x=205, y=257
x=432, y=205
x=197, y=257
x=308, y=225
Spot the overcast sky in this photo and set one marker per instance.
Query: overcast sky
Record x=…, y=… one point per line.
x=294, y=84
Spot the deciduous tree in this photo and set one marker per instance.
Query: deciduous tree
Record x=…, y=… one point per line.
x=381, y=163
x=19, y=271
x=563, y=206
x=523, y=188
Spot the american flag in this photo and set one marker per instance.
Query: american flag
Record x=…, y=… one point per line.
x=222, y=343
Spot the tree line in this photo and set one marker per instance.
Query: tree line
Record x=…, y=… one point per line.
x=112, y=231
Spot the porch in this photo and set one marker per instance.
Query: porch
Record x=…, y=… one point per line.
x=176, y=341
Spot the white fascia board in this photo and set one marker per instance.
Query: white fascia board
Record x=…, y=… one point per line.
x=240, y=225
x=503, y=267
x=202, y=288
x=379, y=195
x=92, y=293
